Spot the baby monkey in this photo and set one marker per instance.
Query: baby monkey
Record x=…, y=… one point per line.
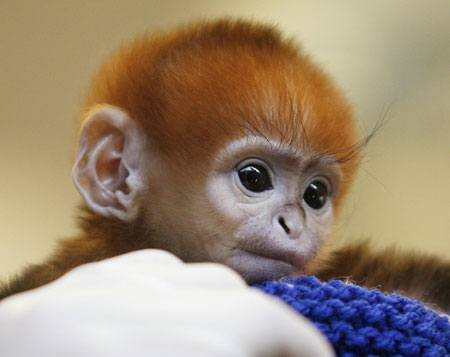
x=221, y=141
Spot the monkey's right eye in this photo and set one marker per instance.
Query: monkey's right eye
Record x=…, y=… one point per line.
x=255, y=178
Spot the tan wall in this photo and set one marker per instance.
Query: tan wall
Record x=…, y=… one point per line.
x=383, y=54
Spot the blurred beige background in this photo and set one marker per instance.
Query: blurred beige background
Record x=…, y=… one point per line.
x=383, y=54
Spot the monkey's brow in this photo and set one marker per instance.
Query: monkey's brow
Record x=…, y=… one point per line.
x=321, y=159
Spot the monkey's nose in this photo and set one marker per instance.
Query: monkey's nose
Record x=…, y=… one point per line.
x=282, y=223
x=288, y=224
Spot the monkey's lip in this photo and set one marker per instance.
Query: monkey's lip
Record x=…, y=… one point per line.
x=293, y=258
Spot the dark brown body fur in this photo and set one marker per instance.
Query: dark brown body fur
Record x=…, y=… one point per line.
x=419, y=276
x=102, y=242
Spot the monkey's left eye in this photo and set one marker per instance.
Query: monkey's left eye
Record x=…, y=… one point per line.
x=255, y=178
x=316, y=194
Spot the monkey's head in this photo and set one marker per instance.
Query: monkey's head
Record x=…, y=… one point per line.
x=219, y=142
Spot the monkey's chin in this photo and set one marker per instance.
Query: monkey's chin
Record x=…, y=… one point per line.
x=257, y=268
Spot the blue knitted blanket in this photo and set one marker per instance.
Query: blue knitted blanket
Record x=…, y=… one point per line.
x=362, y=322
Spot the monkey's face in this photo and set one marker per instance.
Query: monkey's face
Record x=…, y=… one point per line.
x=277, y=205
x=261, y=207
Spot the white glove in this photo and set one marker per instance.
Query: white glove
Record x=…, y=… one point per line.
x=150, y=303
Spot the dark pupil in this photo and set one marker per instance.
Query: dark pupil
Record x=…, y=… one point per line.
x=316, y=194
x=255, y=178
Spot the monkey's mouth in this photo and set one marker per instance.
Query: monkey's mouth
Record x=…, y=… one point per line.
x=257, y=265
x=295, y=259
x=268, y=260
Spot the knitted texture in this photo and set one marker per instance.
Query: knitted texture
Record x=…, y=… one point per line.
x=363, y=322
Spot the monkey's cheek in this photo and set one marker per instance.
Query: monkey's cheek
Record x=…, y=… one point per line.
x=255, y=268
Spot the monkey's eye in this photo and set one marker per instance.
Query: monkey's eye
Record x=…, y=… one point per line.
x=316, y=194
x=255, y=178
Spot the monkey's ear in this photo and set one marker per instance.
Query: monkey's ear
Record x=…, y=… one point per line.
x=108, y=170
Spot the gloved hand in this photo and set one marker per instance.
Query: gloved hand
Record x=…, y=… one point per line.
x=150, y=303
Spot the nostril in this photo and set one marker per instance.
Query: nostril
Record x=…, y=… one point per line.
x=283, y=224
